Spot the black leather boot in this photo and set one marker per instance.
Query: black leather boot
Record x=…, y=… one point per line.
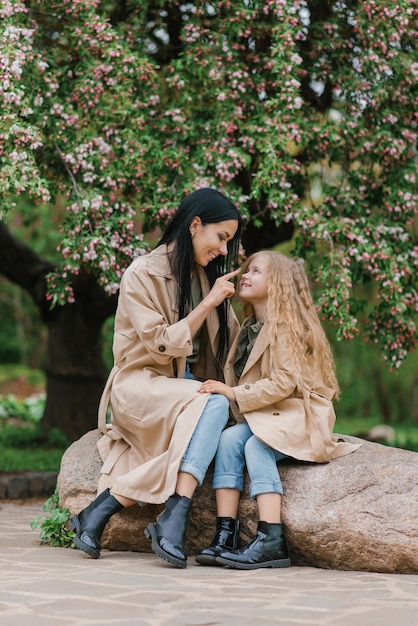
x=268, y=549
x=226, y=537
x=90, y=522
x=167, y=533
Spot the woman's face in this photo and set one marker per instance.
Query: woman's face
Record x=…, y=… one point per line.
x=253, y=286
x=210, y=240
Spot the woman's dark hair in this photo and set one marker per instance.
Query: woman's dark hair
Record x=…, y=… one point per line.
x=211, y=206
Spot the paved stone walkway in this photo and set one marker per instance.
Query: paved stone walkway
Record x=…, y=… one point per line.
x=44, y=586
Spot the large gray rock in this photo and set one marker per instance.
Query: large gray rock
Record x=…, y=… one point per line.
x=358, y=512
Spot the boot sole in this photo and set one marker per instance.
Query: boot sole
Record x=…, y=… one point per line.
x=236, y=565
x=150, y=533
x=206, y=559
x=75, y=526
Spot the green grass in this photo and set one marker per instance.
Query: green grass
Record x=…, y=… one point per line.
x=23, y=460
x=26, y=449
x=406, y=435
x=23, y=445
x=14, y=371
x=354, y=425
x=407, y=438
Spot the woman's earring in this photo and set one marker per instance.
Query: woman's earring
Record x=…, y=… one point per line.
x=192, y=235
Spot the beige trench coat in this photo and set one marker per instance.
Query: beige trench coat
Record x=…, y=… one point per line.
x=299, y=425
x=154, y=409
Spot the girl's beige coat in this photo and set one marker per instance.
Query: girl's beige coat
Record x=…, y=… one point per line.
x=297, y=424
x=154, y=408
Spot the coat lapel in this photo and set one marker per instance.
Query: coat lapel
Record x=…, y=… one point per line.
x=260, y=346
x=161, y=267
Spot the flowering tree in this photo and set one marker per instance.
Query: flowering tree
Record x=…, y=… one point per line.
x=302, y=111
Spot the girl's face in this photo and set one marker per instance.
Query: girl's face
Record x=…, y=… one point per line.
x=253, y=285
x=210, y=240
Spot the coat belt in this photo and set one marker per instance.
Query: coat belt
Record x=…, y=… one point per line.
x=104, y=401
x=317, y=442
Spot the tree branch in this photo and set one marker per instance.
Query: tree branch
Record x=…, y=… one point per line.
x=22, y=266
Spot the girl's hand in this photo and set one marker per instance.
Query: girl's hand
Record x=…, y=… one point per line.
x=215, y=386
x=223, y=288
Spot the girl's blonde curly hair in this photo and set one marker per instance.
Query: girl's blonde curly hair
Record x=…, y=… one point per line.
x=290, y=303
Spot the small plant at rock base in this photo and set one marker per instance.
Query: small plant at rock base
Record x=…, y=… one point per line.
x=53, y=528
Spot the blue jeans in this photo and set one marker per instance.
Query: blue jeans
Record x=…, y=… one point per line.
x=205, y=439
x=239, y=447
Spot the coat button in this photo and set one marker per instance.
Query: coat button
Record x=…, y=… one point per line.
x=247, y=386
x=161, y=348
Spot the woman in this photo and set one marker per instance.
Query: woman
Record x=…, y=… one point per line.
x=173, y=324
x=280, y=377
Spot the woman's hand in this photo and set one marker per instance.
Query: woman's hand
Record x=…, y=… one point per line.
x=222, y=288
x=215, y=386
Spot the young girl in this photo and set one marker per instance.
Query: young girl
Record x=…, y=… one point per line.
x=174, y=323
x=280, y=377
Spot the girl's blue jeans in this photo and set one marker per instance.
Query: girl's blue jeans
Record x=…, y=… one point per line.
x=239, y=447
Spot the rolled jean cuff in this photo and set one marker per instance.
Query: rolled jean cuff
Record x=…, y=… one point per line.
x=191, y=468
x=228, y=481
x=259, y=487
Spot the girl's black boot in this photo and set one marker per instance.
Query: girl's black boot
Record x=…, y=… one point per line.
x=226, y=537
x=268, y=549
x=90, y=522
x=168, y=532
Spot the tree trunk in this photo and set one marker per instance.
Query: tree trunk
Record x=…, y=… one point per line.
x=75, y=370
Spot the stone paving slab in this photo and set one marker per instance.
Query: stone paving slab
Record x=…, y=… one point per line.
x=44, y=586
